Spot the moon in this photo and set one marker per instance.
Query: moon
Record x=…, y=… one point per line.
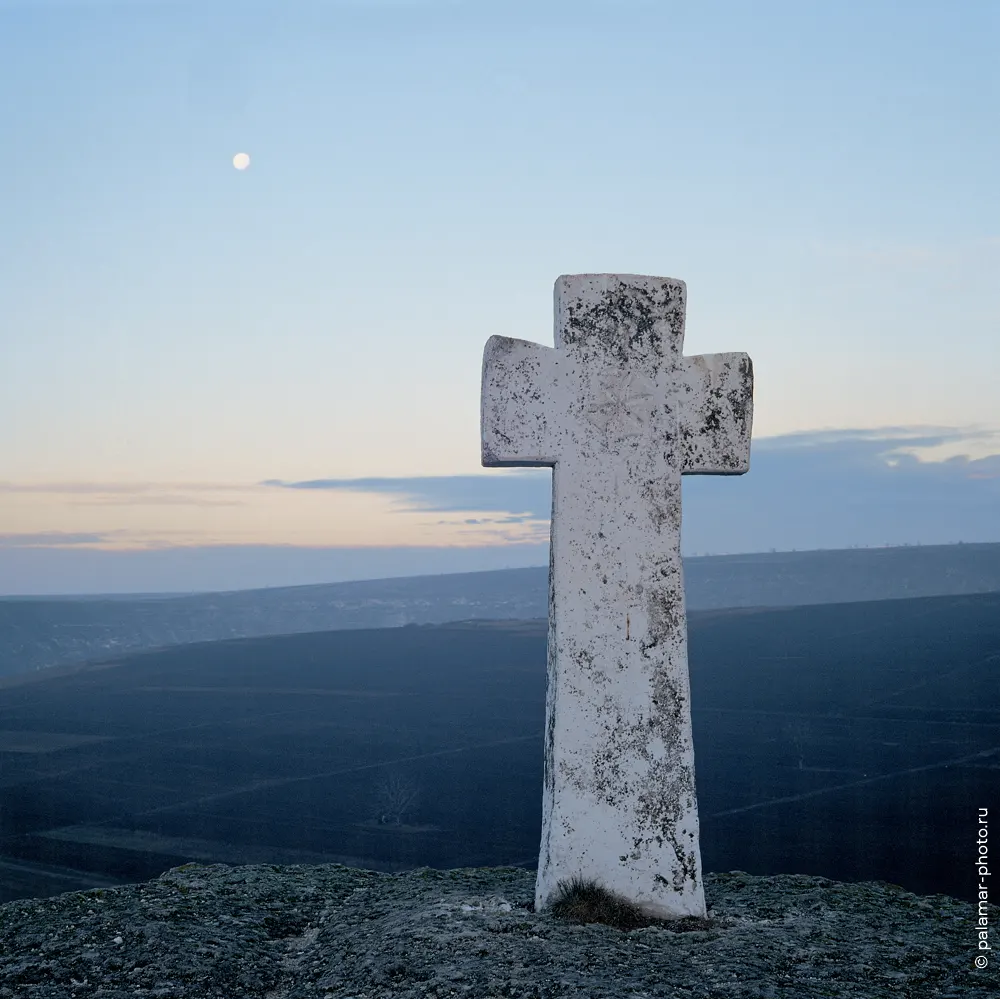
x=241, y=161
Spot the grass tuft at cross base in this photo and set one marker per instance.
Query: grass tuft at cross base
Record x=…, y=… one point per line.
x=582, y=900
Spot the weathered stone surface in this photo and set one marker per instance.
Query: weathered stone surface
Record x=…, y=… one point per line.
x=621, y=414
x=332, y=932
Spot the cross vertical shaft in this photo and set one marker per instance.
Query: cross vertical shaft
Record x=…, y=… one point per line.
x=620, y=414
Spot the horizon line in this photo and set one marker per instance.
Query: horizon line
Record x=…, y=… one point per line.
x=168, y=594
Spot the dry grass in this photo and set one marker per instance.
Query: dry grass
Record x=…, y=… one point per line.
x=583, y=901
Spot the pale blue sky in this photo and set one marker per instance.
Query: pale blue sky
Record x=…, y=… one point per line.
x=174, y=332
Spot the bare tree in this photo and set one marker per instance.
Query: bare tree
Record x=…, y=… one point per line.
x=395, y=795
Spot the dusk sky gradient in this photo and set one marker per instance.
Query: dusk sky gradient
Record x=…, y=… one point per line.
x=184, y=347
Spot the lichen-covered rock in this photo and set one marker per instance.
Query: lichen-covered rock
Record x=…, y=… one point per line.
x=332, y=932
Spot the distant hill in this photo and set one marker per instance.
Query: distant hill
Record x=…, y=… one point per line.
x=854, y=741
x=42, y=632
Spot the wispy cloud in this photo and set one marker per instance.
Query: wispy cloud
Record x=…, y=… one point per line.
x=521, y=495
x=886, y=450
x=823, y=489
x=198, y=494
x=885, y=437
x=153, y=499
x=835, y=489
x=135, y=540
x=816, y=489
x=55, y=539
x=491, y=520
x=112, y=488
x=526, y=495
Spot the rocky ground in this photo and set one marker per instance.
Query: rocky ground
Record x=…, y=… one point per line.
x=332, y=932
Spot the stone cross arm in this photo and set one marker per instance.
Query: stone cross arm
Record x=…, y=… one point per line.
x=702, y=405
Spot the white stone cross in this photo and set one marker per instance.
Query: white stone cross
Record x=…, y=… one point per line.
x=620, y=413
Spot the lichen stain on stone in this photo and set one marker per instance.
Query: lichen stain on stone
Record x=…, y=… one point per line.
x=663, y=504
x=663, y=808
x=608, y=779
x=740, y=398
x=627, y=317
x=664, y=609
